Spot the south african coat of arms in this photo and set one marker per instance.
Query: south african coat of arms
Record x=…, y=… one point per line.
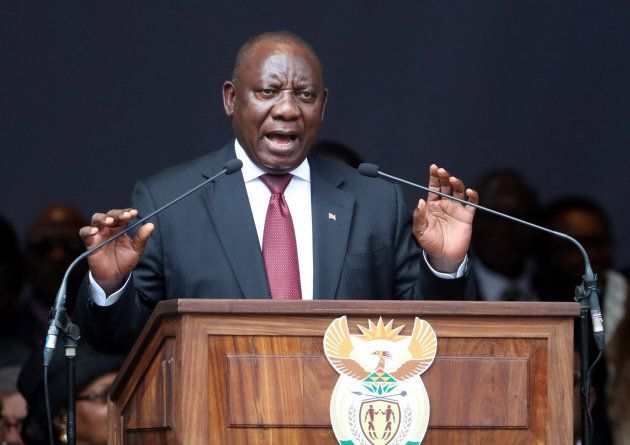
x=379, y=398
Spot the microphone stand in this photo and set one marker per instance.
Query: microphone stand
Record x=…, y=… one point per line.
x=72, y=335
x=583, y=294
x=586, y=293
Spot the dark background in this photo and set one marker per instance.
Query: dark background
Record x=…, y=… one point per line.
x=95, y=95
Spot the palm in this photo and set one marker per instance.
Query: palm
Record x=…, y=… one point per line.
x=114, y=260
x=443, y=227
x=448, y=230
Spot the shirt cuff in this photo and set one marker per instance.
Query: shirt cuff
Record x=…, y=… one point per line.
x=98, y=294
x=460, y=272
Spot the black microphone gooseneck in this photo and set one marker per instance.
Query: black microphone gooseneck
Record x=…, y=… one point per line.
x=60, y=322
x=590, y=279
x=587, y=293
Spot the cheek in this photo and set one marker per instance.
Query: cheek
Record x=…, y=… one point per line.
x=92, y=421
x=312, y=119
x=253, y=114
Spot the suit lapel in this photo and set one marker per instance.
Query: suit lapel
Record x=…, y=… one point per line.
x=231, y=214
x=332, y=210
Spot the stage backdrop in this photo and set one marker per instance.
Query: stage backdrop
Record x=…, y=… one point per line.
x=94, y=95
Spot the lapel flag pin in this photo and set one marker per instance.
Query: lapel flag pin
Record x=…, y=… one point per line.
x=332, y=216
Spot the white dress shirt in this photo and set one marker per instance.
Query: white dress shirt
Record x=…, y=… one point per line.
x=298, y=197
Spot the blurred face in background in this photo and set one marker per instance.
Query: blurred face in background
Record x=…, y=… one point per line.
x=13, y=414
x=504, y=246
x=91, y=412
x=591, y=231
x=52, y=243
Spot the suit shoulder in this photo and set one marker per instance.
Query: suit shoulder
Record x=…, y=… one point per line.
x=350, y=178
x=191, y=172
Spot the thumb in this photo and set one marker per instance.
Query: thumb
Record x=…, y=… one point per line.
x=420, y=218
x=141, y=239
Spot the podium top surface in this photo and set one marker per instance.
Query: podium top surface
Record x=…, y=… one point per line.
x=362, y=307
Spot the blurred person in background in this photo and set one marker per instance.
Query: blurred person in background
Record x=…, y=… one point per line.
x=559, y=268
x=560, y=265
x=502, y=249
x=338, y=151
x=12, y=407
x=617, y=351
x=52, y=243
x=12, y=333
x=95, y=372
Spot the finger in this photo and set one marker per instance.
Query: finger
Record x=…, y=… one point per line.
x=87, y=235
x=121, y=215
x=459, y=191
x=142, y=237
x=445, y=185
x=473, y=197
x=98, y=220
x=115, y=218
x=117, y=213
x=434, y=182
x=87, y=231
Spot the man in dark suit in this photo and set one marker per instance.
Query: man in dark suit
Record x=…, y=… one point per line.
x=353, y=238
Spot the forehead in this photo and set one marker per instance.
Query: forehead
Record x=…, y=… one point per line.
x=269, y=59
x=579, y=222
x=102, y=382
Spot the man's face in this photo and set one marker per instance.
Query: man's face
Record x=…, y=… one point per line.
x=52, y=243
x=277, y=105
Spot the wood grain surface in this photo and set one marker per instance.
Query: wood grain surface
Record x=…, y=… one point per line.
x=254, y=372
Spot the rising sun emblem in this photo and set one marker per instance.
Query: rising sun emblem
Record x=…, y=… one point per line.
x=379, y=398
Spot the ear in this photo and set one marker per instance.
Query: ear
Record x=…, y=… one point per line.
x=229, y=96
x=61, y=421
x=324, y=104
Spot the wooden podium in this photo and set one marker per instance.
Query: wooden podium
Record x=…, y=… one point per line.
x=254, y=372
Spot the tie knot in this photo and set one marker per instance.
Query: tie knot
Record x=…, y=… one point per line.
x=277, y=184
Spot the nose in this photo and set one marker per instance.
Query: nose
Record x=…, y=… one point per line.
x=58, y=253
x=12, y=437
x=286, y=108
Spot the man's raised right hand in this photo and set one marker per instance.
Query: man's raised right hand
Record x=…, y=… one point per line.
x=111, y=265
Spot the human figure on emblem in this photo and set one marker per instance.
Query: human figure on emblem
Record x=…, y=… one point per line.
x=370, y=413
x=389, y=413
x=389, y=418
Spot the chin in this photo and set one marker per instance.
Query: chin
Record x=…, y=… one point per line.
x=281, y=163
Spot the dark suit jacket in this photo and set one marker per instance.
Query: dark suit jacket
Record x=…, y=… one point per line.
x=206, y=246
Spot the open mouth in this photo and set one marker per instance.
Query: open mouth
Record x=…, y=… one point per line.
x=281, y=139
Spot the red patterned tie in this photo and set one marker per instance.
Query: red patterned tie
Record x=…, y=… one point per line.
x=279, y=248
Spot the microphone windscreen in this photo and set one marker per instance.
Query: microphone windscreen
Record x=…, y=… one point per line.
x=367, y=169
x=232, y=166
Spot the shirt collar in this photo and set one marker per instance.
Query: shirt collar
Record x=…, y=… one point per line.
x=251, y=171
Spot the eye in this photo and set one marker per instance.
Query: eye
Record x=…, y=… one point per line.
x=306, y=95
x=265, y=93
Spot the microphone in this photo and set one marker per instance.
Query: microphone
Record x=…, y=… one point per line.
x=587, y=290
x=58, y=312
